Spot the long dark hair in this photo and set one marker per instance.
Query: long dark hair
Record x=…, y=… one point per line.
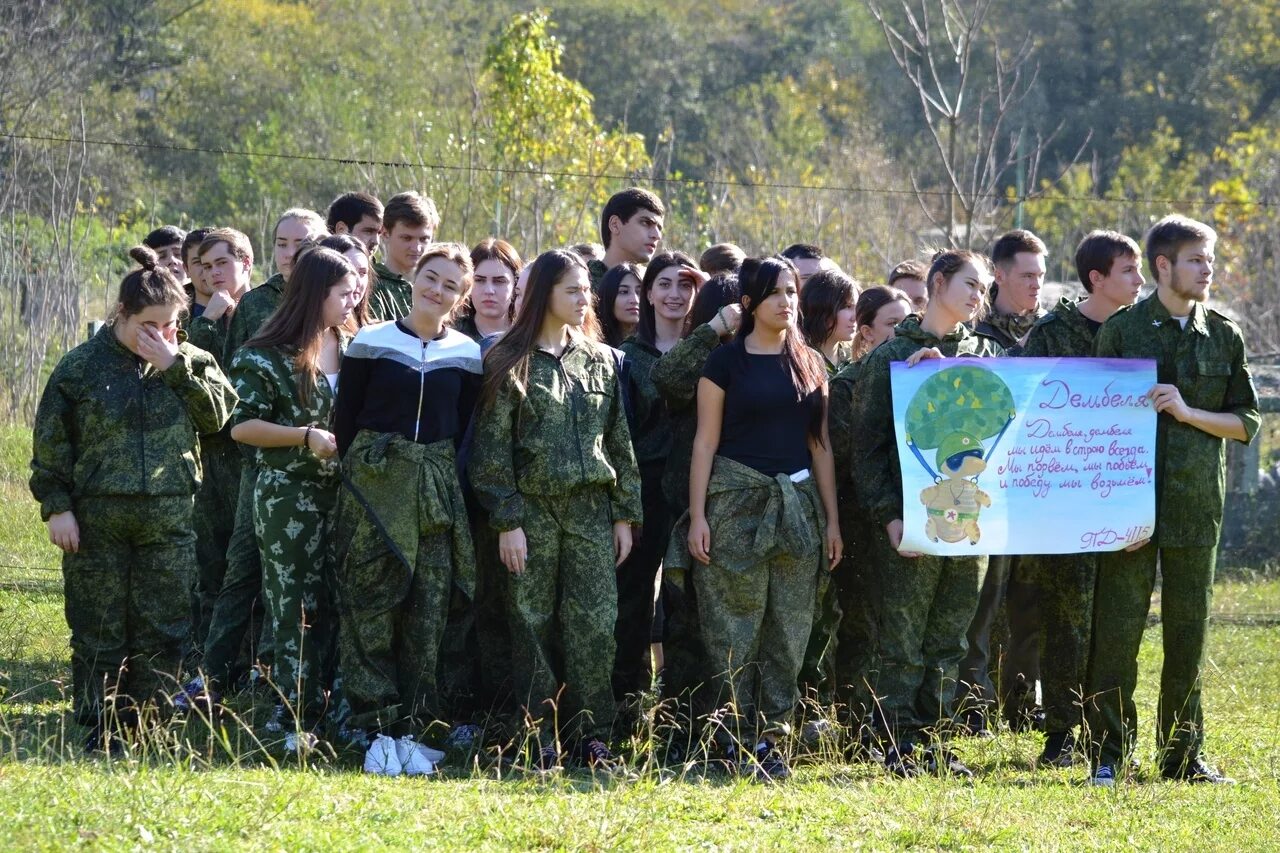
x=647, y=330
x=825, y=294
x=298, y=324
x=510, y=355
x=493, y=249
x=721, y=290
x=343, y=243
x=147, y=286
x=869, y=305
x=758, y=277
x=607, y=297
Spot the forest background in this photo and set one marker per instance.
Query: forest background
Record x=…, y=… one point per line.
x=873, y=128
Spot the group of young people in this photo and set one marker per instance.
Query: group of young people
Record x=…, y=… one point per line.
x=416, y=485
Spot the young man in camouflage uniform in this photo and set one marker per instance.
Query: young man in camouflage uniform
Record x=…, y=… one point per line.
x=236, y=608
x=1006, y=625
x=1110, y=268
x=630, y=230
x=1204, y=394
x=409, y=224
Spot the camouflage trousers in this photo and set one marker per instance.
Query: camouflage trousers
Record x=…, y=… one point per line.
x=1065, y=583
x=237, y=618
x=492, y=608
x=1121, y=603
x=926, y=605
x=756, y=598
x=126, y=594
x=562, y=613
x=1003, y=639
x=401, y=546
x=857, y=583
x=291, y=518
x=214, y=522
x=818, y=673
x=636, y=581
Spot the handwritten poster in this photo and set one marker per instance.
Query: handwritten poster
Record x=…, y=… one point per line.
x=1025, y=455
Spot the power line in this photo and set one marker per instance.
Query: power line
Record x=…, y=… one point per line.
x=687, y=181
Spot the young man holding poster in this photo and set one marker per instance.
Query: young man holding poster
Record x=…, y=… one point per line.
x=1204, y=395
x=1110, y=268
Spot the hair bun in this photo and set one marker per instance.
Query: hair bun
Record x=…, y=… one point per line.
x=145, y=257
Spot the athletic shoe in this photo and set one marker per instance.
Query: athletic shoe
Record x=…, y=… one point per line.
x=769, y=765
x=382, y=758
x=415, y=759
x=974, y=724
x=275, y=723
x=815, y=730
x=1195, y=772
x=463, y=737
x=901, y=762
x=596, y=755
x=1059, y=750
x=300, y=741
x=548, y=759
x=193, y=694
x=941, y=761
x=1103, y=777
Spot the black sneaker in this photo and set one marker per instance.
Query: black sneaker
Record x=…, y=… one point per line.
x=1027, y=719
x=901, y=762
x=1195, y=772
x=974, y=724
x=769, y=765
x=866, y=749
x=941, y=761
x=1059, y=750
x=548, y=759
x=196, y=694
x=596, y=755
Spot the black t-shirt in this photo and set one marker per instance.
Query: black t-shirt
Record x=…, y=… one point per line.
x=765, y=426
x=1094, y=325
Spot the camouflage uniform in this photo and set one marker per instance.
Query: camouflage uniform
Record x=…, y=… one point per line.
x=115, y=442
x=467, y=325
x=237, y=610
x=557, y=462
x=926, y=603
x=1206, y=361
x=293, y=497
x=637, y=576
x=1065, y=582
x=215, y=509
x=756, y=598
x=1006, y=623
x=401, y=546
x=675, y=376
x=392, y=296
x=596, y=271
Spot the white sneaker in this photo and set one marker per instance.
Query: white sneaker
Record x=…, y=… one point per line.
x=416, y=758
x=463, y=737
x=300, y=741
x=382, y=758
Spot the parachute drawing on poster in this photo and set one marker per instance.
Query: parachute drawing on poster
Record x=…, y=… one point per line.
x=1025, y=455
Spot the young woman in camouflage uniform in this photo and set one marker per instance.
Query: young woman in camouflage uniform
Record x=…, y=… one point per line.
x=486, y=311
x=553, y=465
x=115, y=466
x=401, y=538
x=762, y=521
x=670, y=282
x=927, y=601
x=286, y=377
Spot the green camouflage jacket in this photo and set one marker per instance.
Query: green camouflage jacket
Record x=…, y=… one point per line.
x=1008, y=330
x=1062, y=333
x=268, y=389
x=652, y=424
x=253, y=310
x=392, y=296
x=595, y=272
x=675, y=377
x=1207, y=362
x=840, y=423
x=110, y=424
x=876, y=475
x=565, y=430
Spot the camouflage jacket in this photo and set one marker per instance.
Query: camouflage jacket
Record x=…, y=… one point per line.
x=595, y=272
x=1008, y=330
x=467, y=325
x=566, y=429
x=874, y=457
x=392, y=296
x=840, y=423
x=675, y=377
x=253, y=310
x=1206, y=361
x=651, y=427
x=1062, y=333
x=268, y=388
x=110, y=424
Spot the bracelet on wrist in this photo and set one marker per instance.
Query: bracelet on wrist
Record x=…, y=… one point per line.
x=306, y=438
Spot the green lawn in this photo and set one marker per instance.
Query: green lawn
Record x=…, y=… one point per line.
x=188, y=791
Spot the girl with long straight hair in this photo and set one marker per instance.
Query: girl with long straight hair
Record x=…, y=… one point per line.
x=357, y=254
x=402, y=542
x=552, y=463
x=827, y=315
x=620, y=303
x=670, y=283
x=286, y=377
x=762, y=522
x=927, y=601
x=115, y=466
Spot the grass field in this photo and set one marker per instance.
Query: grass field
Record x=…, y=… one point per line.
x=191, y=791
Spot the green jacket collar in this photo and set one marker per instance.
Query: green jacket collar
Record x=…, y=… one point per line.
x=911, y=329
x=1160, y=315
